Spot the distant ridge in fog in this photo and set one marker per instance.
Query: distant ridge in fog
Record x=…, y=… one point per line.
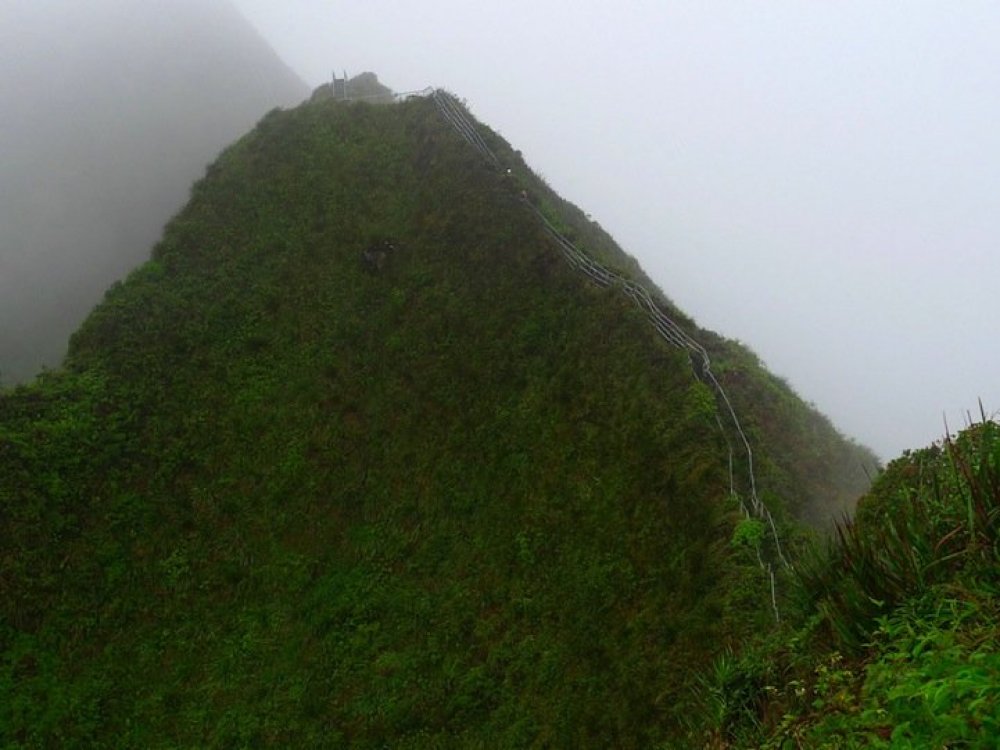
x=111, y=110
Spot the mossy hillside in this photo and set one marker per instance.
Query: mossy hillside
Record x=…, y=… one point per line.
x=805, y=466
x=808, y=470
x=282, y=496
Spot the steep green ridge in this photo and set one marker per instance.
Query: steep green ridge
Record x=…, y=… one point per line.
x=357, y=460
x=805, y=465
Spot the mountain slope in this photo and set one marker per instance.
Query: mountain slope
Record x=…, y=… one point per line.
x=358, y=460
x=112, y=108
x=894, y=638
x=805, y=464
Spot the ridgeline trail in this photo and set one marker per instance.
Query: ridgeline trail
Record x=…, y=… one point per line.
x=453, y=113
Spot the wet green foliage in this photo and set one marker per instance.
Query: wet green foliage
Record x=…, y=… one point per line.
x=284, y=495
x=933, y=516
x=897, y=645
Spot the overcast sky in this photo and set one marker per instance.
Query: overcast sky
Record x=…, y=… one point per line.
x=820, y=180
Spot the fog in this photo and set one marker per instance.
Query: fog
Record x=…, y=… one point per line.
x=818, y=180
x=110, y=110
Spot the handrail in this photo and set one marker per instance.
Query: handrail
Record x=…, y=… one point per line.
x=667, y=328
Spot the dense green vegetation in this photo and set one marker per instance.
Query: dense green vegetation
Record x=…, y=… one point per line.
x=897, y=639
x=808, y=469
x=357, y=460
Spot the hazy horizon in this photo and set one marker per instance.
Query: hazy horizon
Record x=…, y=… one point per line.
x=818, y=181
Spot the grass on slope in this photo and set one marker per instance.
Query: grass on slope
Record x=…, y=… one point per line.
x=897, y=641
x=810, y=472
x=285, y=496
